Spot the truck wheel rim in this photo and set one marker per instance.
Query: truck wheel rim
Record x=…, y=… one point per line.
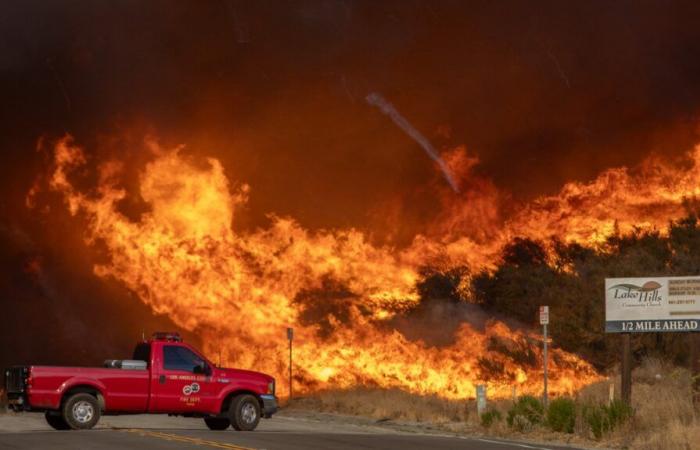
x=248, y=413
x=83, y=411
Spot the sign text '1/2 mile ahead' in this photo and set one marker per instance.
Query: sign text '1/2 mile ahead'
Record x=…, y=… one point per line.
x=653, y=304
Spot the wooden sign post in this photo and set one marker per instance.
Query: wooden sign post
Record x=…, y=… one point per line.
x=653, y=305
x=626, y=370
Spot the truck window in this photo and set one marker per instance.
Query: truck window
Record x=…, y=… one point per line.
x=180, y=358
x=142, y=352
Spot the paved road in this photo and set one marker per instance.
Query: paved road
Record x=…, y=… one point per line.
x=28, y=431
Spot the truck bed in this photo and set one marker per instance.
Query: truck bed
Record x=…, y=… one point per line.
x=126, y=390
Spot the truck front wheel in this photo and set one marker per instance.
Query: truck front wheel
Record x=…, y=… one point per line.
x=217, y=423
x=244, y=412
x=56, y=421
x=81, y=411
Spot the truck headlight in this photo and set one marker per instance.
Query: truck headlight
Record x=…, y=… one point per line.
x=271, y=387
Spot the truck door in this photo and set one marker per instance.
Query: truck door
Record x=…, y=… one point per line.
x=176, y=388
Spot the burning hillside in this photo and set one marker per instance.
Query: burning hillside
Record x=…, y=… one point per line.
x=341, y=292
x=323, y=187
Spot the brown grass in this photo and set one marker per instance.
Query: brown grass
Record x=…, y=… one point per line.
x=664, y=417
x=384, y=404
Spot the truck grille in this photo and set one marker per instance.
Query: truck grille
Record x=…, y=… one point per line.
x=15, y=380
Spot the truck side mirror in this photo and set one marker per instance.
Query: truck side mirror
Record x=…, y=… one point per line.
x=202, y=368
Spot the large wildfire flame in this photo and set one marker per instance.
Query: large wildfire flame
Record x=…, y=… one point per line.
x=240, y=290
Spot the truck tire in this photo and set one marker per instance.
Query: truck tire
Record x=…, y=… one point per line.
x=217, y=423
x=244, y=412
x=81, y=411
x=56, y=421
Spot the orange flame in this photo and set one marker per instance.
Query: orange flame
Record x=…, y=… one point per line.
x=240, y=290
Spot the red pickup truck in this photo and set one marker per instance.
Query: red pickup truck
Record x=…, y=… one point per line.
x=165, y=376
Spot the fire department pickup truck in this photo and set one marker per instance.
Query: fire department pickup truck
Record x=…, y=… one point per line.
x=165, y=376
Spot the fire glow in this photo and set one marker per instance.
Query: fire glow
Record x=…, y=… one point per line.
x=241, y=289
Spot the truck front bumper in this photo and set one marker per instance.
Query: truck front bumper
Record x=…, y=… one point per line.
x=18, y=402
x=269, y=405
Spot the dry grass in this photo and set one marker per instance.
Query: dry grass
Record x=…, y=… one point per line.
x=664, y=417
x=382, y=404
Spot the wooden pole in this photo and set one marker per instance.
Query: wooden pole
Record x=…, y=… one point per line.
x=626, y=374
x=695, y=366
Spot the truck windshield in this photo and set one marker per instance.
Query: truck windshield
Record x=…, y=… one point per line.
x=142, y=352
x=180, y=358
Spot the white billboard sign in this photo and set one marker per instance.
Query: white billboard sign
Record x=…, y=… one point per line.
x=652, y=304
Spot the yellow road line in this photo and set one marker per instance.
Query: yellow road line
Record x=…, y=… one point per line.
x=180, y=438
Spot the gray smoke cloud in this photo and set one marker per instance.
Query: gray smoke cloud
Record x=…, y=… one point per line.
x=387, y=108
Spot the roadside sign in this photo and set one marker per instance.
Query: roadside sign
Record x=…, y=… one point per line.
x=652, y=304
x=290, y=333
x=544, y=315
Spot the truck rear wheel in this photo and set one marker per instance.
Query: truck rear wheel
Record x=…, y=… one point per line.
x=81, y=411
x=244, y=412
x=56, y=421
x=217, y=423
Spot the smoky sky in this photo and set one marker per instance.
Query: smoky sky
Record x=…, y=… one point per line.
x=541, y=92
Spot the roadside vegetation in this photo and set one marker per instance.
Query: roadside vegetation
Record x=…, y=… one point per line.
x=569, y=278
x=661, y=417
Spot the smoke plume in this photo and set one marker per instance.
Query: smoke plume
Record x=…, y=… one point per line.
x=387, y=108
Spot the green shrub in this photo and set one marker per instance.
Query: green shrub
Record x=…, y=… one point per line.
x=604, y=418
x=618, y=413
x=596, y=420
x=525, y=413
x=489, y=417
x=561, y=415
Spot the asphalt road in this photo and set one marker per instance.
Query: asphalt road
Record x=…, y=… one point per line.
x=29, y=431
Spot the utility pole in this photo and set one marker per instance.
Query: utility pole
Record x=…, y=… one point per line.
x=544, y=320
x=290, y=338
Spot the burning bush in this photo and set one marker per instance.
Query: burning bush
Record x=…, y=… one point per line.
x=345, y=296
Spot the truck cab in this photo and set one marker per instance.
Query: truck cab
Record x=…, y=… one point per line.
x=164, y=376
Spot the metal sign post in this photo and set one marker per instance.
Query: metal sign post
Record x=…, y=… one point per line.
x=290, y=338
x=544, y=320
x=480, y=399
